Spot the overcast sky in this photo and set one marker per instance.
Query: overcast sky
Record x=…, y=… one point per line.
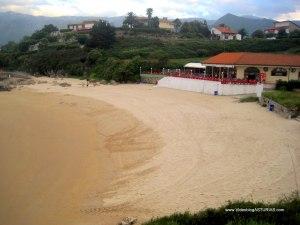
x=209, y=9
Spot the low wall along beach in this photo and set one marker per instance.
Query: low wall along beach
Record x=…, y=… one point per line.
x=209, y=87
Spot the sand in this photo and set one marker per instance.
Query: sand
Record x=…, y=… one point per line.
x=142, y=151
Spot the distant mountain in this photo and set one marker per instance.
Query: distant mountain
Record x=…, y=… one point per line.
x=251, y=17
x=250, y=24
x=209, y=22
x=13, y=26
x=297, y=22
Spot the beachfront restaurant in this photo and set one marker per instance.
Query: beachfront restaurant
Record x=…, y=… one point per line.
x=254, y=66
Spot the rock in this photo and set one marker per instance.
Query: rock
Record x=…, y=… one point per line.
x=65, y=84
x=103, y=82
x=128, y=221
x=4, y=86
x=113, y=82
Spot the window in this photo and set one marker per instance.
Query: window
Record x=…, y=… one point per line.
x=251, y=73
x=279, y=71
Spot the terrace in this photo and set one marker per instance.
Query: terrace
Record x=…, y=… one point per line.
x=212, y=75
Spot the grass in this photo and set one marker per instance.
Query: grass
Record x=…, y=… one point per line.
x=287, y=212
x=249, y=99
x=289, y=99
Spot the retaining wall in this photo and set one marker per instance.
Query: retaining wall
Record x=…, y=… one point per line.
x=208, y=87
x=151, y=78
x=281, y=110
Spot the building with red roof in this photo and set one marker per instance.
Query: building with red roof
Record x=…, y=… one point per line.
x=223, y=32
x=246, y=65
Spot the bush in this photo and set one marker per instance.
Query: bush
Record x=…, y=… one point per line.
x=249, y=99
x=118, y=70
x=224, y=216
x=287, y=85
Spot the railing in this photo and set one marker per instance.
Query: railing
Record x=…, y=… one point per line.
x=197, y=76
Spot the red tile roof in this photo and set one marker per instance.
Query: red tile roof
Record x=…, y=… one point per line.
x=226, y=30
x=247, y=58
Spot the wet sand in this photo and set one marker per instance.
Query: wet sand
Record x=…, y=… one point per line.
x=164, y=151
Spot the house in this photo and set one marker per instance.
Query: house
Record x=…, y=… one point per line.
x=55, y=33
x=33, y=48
x=85, y=26
x=164, y=23
x=223, y=32
x=288, y=26
x=251, y=66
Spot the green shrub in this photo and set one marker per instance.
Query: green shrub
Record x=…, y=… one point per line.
x=222, y=216
x=287, y=85
x=118, y=70
x=249, y=99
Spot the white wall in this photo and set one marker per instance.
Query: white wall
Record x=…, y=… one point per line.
x=208, y=87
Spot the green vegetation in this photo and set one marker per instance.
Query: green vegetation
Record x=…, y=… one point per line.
x=229, y=214
x=287, y=85
x=109, y=53
x=289, y=99
x=102, y=35
x=258, y=34
x=249, y=99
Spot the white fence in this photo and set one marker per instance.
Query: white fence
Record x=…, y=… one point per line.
x=209, y=87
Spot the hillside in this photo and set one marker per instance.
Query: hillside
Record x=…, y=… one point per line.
x=13, y=26
x=249, y=23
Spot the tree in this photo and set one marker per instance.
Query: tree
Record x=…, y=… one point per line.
x=44, y=32
x=177, y=24
x=195, y=28
x=282, y=34
x=149, y=13
x=82, y=39
x=10, y=47
x=102, y=35
x=24, y=46
x=130, y=20
x=155, y=22
x=243, y=32
x=94, y=56
x=258, y=34
x=49, y=28
x=295, y=34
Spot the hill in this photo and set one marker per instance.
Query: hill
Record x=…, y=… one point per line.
x=249, y=23
x=13, y=26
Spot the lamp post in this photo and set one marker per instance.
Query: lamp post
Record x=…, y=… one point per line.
x=151, y=70
x=140, y=70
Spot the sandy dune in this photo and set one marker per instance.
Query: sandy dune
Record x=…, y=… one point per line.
x=164, y=150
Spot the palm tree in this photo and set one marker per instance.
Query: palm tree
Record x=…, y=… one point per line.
x=149, y=14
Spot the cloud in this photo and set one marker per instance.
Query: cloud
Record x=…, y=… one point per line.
x=210, y=9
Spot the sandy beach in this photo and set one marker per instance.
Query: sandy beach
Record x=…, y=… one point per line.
x=93, y=155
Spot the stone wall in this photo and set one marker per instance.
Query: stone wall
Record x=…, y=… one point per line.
x=281, y=110
x=151, y=78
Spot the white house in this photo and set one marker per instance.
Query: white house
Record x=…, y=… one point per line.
x=223, y=32
x=288, y=26
x=84, y=26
